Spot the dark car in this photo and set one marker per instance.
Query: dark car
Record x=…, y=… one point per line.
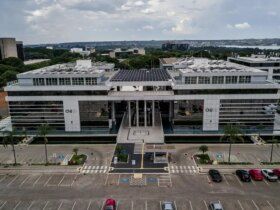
x=243, y=175
x=215, y=175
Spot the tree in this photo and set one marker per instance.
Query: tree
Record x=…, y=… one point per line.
x=273, y=141
x=12, y=61
x=8, y=139
x=203, y=148
x=43, y=130
x=75, y=150
x=232, y=134
x=260, y=127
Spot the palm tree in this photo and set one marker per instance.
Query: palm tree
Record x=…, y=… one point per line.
x=75, y=150
x=8, y=138
x=232, y=134
x=43, y=130
x=273, y=141
x=203, y=148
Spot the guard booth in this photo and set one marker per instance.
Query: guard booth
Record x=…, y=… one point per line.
x=160, y=152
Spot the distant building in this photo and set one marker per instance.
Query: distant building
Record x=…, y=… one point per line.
x=123, y=52
x=8, y=48
x=175, y=46
x=174, y=63
x=20, y=51
x=81, y=51
x=268, y=64
x=49, y=47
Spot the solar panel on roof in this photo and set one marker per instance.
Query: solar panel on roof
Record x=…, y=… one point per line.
x=141, y=75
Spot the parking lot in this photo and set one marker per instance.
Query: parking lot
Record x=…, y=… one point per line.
x=93, y=204
x=38, y=180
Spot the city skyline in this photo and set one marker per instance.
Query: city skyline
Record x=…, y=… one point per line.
x=54, y=21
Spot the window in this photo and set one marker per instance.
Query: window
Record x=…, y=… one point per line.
x=91, y=81
x=51, y=81
x=78, y=81
x=245, y=79
x=217, y=80
x=231, y=79
x=276, y=71
x=190, y=80
x=64, y=81
x=203, y=80
x=38, y=81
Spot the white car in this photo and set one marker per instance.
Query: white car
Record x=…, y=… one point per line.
x=216, y=205
x=167, y=205
x=269, y=175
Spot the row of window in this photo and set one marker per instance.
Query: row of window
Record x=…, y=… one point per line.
x=65, y=81
x=218, y=80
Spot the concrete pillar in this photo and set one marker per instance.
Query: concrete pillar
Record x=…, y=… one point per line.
x=129, y=114
x=145, y=113
x=153, y=112
x=113, y=112
x=137, y=113
x=170, y=110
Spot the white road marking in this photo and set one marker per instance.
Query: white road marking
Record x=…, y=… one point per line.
x=191, y=205
x=74, y=205
x=61, y=180
x=270, y=205
x=2, y=178
x=255, y=205
x=266, y=182
x=12, y=181
x=205, y=204
x=24, y=181
x=132, y=205
x=238, y=180
x=175, y=205
x=30, y=205
x=146, y=205
x=17, y=205
x=238, y=201
x=89, y=205
x=37, y=180
x=225, y=179
x=46, y=205
x=60, y=205
x=3, y=205
x=47, y=181
x=74, y=180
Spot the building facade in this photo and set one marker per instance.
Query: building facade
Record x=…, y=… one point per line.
x=268, y=64
x=8, y=48
x=137, y=105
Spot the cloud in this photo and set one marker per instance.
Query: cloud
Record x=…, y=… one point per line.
x=244, y=25
x=148, y=27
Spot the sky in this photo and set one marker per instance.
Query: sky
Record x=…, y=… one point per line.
x=55, y=21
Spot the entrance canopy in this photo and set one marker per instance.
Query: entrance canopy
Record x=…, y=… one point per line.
x=157, y=148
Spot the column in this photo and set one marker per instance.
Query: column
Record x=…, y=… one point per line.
x=145, y=113
x=170, y=110
x=113, y=112
x=153, y=112
x=129, y=114
x=137, y=113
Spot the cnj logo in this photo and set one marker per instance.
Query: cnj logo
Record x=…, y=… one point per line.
x=209, y=110
x=68, y=111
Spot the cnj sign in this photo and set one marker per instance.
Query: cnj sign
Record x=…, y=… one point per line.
x=209, y=109
x=68, y=111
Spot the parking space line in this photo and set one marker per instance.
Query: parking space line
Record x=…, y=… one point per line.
x=255, y=205
x=106, y=180
x=60, y=205
x=74, y=180
x=37, y=180
x=270, y=205
x=238, y=201
x=205, y=204
x=132, y=205
x=209, y=181
x=119, y=179
x=225, y=179
x=32, y=202
x=89, y=205
x=3, y=205
x=48, y=180
x=2, y=178
x=160, y=206
x=239, y=181
x=146, y=205
x=191, y=205
x=23, y=181
x=12, y=181
x=61, y=180
x=46, y=205
x=266, y=182
x=74, y=205
x=17, y=205
x=175, y=205
x=253, y=182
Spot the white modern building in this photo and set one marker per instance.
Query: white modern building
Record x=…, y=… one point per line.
x=144, y=105
x=268, y=64
x=121, y=52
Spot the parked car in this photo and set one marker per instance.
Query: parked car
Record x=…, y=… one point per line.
x=216, y=205
x=277, y=172
x=215, y=175
x=110, y=204
x=167, y=205
x=269, y=175
x=243, y=175
x=256, y=174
